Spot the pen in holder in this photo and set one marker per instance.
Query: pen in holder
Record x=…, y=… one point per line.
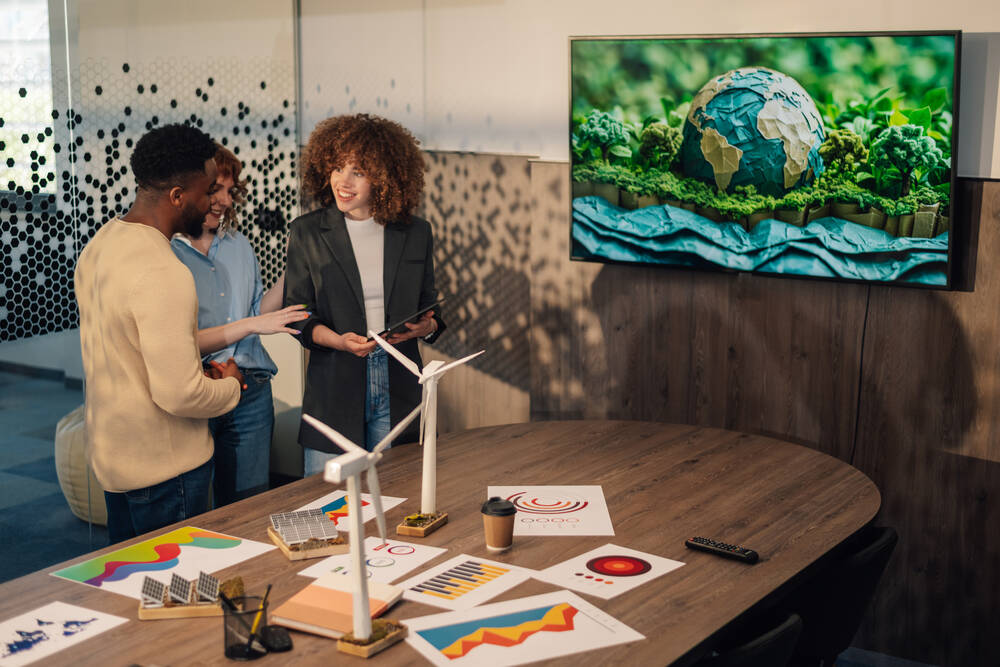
x=240, y=616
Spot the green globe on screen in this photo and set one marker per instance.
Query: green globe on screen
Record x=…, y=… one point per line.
x=753, y=126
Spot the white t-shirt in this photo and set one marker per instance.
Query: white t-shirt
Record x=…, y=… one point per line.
x=368, y=241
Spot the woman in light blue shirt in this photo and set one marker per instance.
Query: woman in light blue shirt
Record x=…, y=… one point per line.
x=233, y=311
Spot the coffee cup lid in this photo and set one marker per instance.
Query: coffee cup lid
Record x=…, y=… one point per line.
x=497, y=506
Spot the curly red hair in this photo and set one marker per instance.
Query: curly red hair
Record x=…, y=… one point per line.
x=384, y=150
x=230, y=165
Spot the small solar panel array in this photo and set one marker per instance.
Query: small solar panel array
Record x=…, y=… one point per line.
x=153, y=592
x=181, y=590
x=302, y=526
x=207, y=587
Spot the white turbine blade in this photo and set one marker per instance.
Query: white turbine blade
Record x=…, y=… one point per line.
x=338, y=439
x=449, y=366
x=396, y=430
x=376, y=492
x=400, y=357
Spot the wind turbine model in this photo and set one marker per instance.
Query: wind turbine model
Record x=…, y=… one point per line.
x=429, y=519
x=348, y=467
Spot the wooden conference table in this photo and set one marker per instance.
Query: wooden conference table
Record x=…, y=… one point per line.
x=663, y=483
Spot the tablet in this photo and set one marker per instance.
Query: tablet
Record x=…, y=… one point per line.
x=400, y=326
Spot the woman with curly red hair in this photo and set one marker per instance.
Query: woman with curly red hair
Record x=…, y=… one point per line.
x=359, y=262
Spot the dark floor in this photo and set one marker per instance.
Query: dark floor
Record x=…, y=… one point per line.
x=37, y=528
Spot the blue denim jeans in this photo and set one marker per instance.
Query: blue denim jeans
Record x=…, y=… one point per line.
x=377, y=419
x=136, y=512
x=243, y=442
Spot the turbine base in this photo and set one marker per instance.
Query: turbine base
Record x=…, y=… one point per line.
x=385, y=633
x=423, y=525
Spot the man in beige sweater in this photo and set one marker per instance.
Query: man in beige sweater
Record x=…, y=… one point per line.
x=148, y=399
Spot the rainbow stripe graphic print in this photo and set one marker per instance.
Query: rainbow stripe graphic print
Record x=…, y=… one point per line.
x=335, y=509
x=456, y=641
x=159, y=553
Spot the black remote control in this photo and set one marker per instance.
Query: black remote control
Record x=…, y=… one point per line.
x=721, y=549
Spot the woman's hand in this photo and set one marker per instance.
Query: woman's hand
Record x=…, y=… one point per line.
x=277, y=321
x=356, y=345
x=424, y=327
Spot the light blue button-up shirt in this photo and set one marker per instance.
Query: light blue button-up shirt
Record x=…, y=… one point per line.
x=229, y=288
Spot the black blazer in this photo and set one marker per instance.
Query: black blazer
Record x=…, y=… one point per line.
x=322, y=273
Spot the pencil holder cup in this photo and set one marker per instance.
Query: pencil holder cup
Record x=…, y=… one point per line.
x=242, y=625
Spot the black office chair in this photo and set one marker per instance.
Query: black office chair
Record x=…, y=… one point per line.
x=833, y=606
x=771, y=648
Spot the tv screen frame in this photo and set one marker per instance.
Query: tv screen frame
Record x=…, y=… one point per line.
x=626, y=209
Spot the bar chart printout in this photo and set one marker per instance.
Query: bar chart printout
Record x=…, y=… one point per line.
x=463, y=582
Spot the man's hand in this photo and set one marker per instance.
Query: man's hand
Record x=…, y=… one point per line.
x=229, y=370
x=424, y=327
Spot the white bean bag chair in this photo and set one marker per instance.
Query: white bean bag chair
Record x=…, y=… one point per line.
x=73, y=471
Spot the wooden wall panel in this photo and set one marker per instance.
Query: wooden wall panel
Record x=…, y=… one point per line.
x=480, y=209
x=751, y=353
x=569, y=374
x=928, y=437
x=470, y=398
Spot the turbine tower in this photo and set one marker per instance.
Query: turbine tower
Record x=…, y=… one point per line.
x=348, y=467
x=428, y=419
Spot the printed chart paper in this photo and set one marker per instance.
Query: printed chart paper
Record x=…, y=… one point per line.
x=463, y=582
x=334, y=505
x=46, y=630
x=185, y=551
x=386, y=562
x=530, y=629
x=608, y=571
x=557, y=510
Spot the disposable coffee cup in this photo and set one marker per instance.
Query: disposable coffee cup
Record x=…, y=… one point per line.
x=498, y=523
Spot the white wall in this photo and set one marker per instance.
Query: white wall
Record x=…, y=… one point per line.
x=362, y=56
x=58, y=351
x=496, y=72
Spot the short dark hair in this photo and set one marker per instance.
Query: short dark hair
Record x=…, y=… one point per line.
x=167, y=154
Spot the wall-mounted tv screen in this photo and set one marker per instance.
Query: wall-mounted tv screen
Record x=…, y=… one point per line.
x=819, y=155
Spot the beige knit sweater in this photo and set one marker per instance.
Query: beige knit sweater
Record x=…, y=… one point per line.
x=147, y=398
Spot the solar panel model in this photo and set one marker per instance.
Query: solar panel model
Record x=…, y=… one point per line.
x=207, y=588
x=153, y=592
x=306, y=534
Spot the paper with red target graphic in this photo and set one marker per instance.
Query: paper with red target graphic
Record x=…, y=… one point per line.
x=608, y=571
x=557, y=510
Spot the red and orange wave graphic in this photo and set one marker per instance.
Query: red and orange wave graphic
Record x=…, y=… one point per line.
x=557, y=619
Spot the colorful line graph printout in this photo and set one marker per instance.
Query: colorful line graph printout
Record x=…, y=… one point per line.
x=515, y=632
x=463, y=582
x=557, y=510
x=49, y=629
x=334, y=505
x=186, y=551
x=608, y=571
x=385, y=562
